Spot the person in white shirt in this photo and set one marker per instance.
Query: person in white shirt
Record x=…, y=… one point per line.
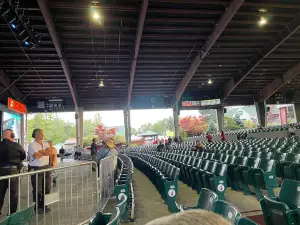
x=39, y=153
x=292, y=130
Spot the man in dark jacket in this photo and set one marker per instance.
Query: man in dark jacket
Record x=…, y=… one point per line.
x=11, y=156
x=94, y=152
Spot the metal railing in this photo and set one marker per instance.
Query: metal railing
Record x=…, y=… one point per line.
x=106, y=173
x=73, y=199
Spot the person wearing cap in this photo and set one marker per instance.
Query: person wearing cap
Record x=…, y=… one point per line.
x=11, y=156
x=109, y=150
x=39, y=153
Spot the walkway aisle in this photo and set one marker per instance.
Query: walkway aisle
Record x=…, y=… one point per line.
x=149, y=204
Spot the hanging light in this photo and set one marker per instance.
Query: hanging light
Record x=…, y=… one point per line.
x=101, y=84
x=263, y=21
x=96, y=15
x=209, y=81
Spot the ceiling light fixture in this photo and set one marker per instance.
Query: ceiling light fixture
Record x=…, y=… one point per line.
x=209, y=81
x=262, y=10
x=96, y=15
x=101, y=84
x=263, y=21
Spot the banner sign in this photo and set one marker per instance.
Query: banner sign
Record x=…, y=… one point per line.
x=16, y=106
x=283, y=115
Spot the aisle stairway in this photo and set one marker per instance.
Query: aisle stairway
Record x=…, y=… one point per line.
x=149, y=204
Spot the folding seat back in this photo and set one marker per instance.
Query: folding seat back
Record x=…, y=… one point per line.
x=279, y=157
x=227, y=210
x=266, y=155
x=207, y=199
x=237, y=153
x=210, y=156
x=225, y=158
x=211, y=167
x=253, y=162
x=231, y=159
x=175, y=173
x=205, y=155
x=267, y=165
x=218, y=157
x=221, y=169
x=291, y=157
x=247, y=153
x=204, y=164
x=198, y=162
x=229, y=152
x=200, y=154
x=242, y=161
x=255, y=154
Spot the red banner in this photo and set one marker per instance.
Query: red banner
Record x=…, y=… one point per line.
x=16, y=106
x=283, y=115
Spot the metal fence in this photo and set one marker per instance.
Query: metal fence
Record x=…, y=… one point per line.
x=106, y=178
x=73, y=198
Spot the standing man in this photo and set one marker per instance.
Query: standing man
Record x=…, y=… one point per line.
x=62, y=153
x=94, y=152
x=11, y=156
x=39, y=153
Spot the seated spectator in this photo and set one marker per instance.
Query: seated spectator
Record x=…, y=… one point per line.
x=292, y=130
x=199, y=147
x=169, y=140
x=160, y=146
x=191, y=217
x=175, y=140
x=180, y=140
x=209, y=137
x=223, y=137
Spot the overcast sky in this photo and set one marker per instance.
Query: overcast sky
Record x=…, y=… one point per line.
x=138, y=117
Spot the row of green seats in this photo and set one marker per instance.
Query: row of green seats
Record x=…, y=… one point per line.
x=162, y=174
x=208, y=200
x=22, y=217
x=123, y=185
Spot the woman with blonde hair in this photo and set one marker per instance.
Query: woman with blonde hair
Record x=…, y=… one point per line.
x=191, y=217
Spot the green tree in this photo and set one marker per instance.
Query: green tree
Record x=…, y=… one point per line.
x=230, y=124
x=133, y=131
x=97, y=120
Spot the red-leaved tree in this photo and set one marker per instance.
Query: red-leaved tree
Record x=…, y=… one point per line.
x=104, y=133
x=193, y=125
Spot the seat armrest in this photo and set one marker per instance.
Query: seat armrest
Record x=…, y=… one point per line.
x=243, y=168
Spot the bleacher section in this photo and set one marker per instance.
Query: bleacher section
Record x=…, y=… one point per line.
x=254, y=166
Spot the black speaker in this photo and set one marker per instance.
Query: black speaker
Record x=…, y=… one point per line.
x=225, y=110
x=268, y=108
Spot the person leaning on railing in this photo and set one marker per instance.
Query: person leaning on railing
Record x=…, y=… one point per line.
x=39, y=153
x=11, y=156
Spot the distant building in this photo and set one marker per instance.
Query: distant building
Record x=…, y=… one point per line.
x=70, y=144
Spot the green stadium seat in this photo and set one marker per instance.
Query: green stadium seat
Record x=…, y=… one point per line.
x=265, y=178
x=122, y=205
x=279, y=157
x=206, y=200
x=285, y=166
x=22, y=217
x=241, y=175
x=227, y=210
x=204, y=166
x=246, y=221
x=217, y=181
x=202, y=174
x=295, y=168
x=241, y=161
x=283, y=210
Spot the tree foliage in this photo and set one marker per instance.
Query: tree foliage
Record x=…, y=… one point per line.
x=230, y=124
x=161, y=126
x=194, y=125
x=59, y=131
